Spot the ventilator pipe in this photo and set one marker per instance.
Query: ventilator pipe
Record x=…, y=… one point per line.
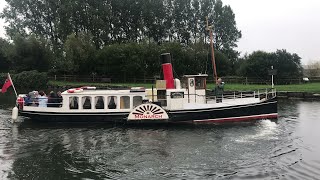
x=177, y=83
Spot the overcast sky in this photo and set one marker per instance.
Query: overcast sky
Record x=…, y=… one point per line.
x=272, y=24
x=279, y=24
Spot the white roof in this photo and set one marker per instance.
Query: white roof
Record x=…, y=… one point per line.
x=197, y=75
x=104, y=92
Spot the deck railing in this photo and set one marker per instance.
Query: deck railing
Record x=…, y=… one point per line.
x=267, y=93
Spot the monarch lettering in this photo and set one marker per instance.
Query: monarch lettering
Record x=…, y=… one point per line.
x=148, y=116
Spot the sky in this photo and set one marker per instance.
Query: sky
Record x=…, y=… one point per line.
x=269, y=25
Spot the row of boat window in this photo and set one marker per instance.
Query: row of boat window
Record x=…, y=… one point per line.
x=99, y=102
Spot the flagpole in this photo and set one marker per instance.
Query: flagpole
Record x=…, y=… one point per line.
x=12, y=85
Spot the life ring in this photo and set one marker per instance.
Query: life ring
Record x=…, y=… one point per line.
x=77, y=90
x=89, y=87
x=20, y=102
x=71, y=90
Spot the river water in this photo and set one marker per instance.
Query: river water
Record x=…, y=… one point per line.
x=288, y=148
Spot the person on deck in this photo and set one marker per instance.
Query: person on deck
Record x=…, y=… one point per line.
x=52, y=100
x=59, y=99
x=34, y=95
x=27, y=100
x=42, y=99
x=218, y=90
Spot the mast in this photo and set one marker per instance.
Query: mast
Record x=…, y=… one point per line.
x=209, y=28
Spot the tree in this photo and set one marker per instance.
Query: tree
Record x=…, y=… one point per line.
x=288, y=65
x=30, y=53
x=226, y=32
x=223, y=64
x=74, y=30
x=79, y=54
x=119, y=21
x=4, y=61
x=258, y=63
x=312, y=69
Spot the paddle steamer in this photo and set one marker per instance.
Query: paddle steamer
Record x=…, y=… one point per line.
x=170, y=101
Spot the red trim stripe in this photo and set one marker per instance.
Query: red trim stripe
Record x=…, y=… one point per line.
x=238, y=119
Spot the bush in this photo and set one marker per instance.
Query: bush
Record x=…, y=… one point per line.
x=30, y=80
x=3, y=77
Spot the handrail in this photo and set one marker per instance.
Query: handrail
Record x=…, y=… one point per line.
x=260, y=93
x=267, y=93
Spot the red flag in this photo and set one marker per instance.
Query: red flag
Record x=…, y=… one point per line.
x=6, y=85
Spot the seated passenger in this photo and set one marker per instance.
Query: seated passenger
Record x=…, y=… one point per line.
x=34, y=98
x=42, y=99
x=59, y=99
x=52, y=100
x=27, y=100
x=87, y=104
x=100, y=103
x=112, y=104
x=74, y=103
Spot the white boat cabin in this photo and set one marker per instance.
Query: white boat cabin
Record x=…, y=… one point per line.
x=189, y=94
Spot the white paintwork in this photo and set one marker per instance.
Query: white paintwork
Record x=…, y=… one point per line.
x=224, y=103
x=196, y=75
x=192, y=90
x=177, y=83
x=197, y=101
x=201, y=96
x=175, y=103
x=148, y=111
x=14, y=114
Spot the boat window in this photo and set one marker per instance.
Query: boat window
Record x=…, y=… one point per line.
x=73, y=102
x=112, y=102
x=124, y=102
x=86, y=102
x=137, y=100
x=162, y=97
x=99, y=102
x=184, y=83
x=200, y=83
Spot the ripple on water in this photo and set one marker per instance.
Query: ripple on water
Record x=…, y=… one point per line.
x=282, y=149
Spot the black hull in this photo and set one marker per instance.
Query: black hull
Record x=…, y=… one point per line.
x=262, y=110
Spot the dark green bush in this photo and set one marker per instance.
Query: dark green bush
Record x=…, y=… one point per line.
x=3, y=77
x=30, y=80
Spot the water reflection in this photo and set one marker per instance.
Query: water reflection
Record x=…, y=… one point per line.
x=284, y=149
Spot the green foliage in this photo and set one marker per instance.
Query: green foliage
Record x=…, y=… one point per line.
x=223, y=64
x=121, y=39
x=79, y=54
x=29, y=53
x=122, y=21
x=258, y=63
x=3, y=77
x=123, y=62
x=308, y=87
x=30, y=80
x=4, y=61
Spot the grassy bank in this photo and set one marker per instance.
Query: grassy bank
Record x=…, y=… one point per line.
x=309, y=87
x=79, y=84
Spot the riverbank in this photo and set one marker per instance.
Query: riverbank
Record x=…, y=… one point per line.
x=308, y=87
x=303, y=91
